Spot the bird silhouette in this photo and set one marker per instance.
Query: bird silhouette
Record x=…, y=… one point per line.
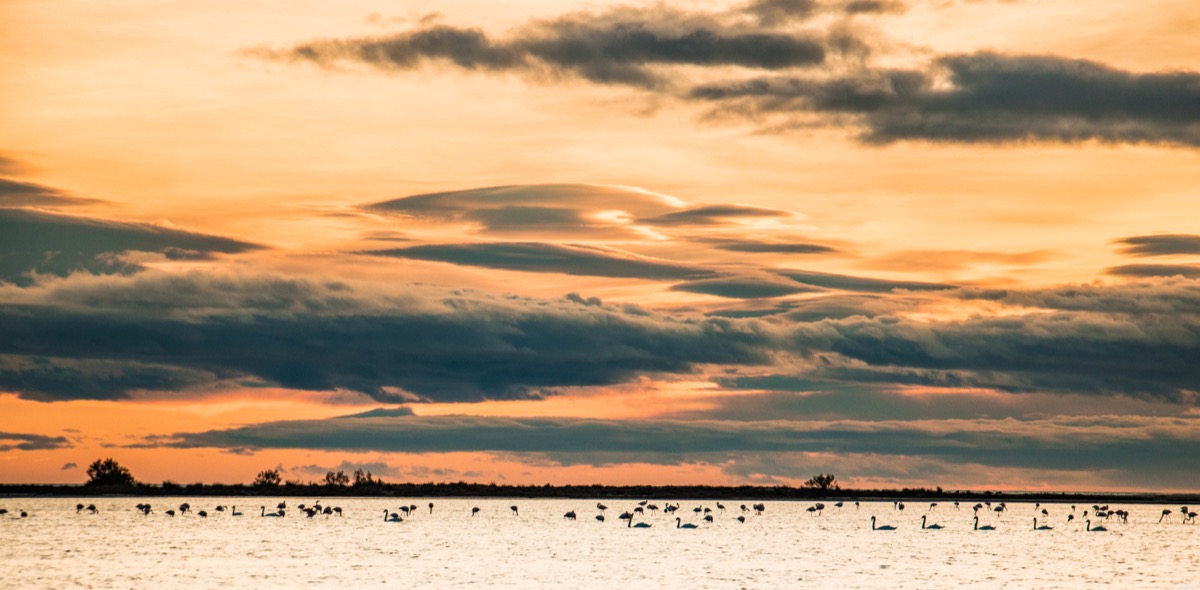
x=235, y=512
x=601, y=507
x=741, y=519
x=390, y=517
x=202, y=514
x=570, y=515
x=679, y=524
x=1041, y=528
x=170, y=513
x=514, y=510
x=600, y=517
x=474, y=511
x=1095, y=529
x=263, y=513
x=884, y=527
x=986, y=527
x=934, y=526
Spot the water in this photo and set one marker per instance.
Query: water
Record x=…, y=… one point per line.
x=785, y=547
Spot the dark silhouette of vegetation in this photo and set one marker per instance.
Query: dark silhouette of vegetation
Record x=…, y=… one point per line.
x=339, y=479
x=109, y=473
x=364, y=479
x=268, y=478
x=823, y=482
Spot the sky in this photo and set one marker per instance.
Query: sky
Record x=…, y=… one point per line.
x=913, y=243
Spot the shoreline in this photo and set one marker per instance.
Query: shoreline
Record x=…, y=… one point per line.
x=467, y=490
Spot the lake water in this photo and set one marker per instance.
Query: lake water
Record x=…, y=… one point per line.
x=785, y=547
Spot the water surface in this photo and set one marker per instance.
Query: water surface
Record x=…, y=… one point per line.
x=785, y=547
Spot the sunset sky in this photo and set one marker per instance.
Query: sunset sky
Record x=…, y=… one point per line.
x=911, y=242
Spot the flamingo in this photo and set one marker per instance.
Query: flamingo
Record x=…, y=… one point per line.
x=720, y=507
x=934, y=526
x=1095, y=529
x=170, y=513
x=78, y=508
x=202, y=514
x=1191, y=517
x=570, y=515
x=1041, y=528
x=884, y=527
x=337, y=510
x=741, y=519
x=1070, y=517
x=986, y=527
x=679, y=524
x=392, y=517
x=601, y=507
x=431, y=507
x=1165, y=513
x=24, y=514
x=474, y=511
x=514, y=510
x=932, y=505
x=708, y=518
x=600, y=517
x=184, y=507
x=92, y=508
x=625, y=515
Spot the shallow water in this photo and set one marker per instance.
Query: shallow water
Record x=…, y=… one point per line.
x=784, y=547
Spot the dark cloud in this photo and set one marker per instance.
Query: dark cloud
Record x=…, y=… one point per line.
x=1149, y=300
x=754, y=247
x=717, y=215
x=1146, y=356
x=1075, y=443
x=77, y=338
x=69, y=466
x=743, y=287
x=622, y=46
x=1188, y=271
x=782, y=396
x=14, y=193
x=539, y=257
x=17, y=441
x=1160, y=245
x=987, y=97
x=863, y=284
x=45, y=243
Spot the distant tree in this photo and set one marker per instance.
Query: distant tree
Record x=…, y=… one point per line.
x=268, y=478
x=822, y=482
x=339, y=479
x=364, y=479
x=107, y=472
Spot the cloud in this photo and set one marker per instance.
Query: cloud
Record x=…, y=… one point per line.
x=743, y=287
x=18, y=441
x=538, y=257
x=1160, y=245
x=105, y=337
x=626, y=46
x=863, y=284
x=1187, y=271
x=573, y=211
x=46, y=243
x=986, y=97
x=719, y=215
x=755, y=247
x=1073, y=443
x=14, y=193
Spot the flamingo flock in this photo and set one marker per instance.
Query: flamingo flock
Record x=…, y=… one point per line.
x=985, y=516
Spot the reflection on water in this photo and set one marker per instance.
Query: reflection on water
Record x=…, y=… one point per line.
x=535, y=546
